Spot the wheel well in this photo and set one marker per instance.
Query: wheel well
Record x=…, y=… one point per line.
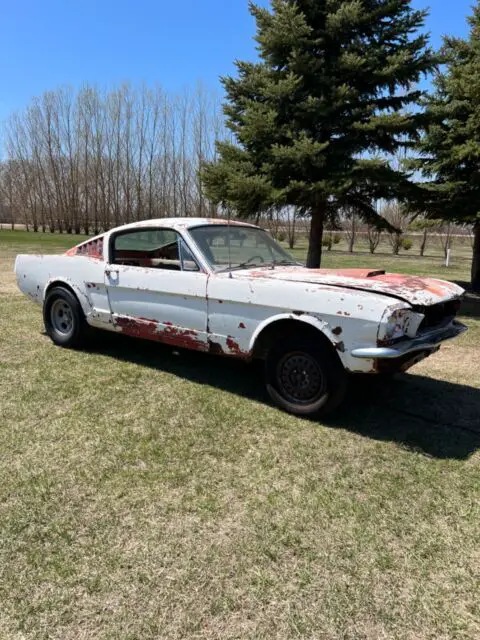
x=282, y=329
x=63, y=285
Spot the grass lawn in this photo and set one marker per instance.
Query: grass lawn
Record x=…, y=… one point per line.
x=146, y=493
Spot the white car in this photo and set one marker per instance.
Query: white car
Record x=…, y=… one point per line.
x=228, y=288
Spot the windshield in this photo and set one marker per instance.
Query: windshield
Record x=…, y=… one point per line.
x=227, y=246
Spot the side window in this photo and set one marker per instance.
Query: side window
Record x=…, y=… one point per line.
x=188, y=262
x=154, y=248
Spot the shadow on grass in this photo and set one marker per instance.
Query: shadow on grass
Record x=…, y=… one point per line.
x=437, y=418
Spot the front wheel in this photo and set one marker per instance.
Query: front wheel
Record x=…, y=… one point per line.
x=64, y=319
x=305, y=378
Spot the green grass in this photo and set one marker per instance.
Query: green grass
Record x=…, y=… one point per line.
x=46, y=242
x=146, y=493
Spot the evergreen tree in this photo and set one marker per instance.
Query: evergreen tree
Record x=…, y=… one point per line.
x=332, y=90
x=450, y=149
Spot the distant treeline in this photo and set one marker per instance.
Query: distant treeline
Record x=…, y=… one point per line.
x=89, y=160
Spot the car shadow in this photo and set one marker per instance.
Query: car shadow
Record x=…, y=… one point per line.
x=434, y=417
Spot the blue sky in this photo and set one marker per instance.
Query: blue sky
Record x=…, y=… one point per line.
x=48, y=43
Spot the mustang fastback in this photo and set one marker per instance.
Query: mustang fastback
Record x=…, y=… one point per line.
x=229, y=289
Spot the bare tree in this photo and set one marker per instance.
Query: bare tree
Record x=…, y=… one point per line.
x=396, y=214
x=445, y=232
x=92, y=159
x=350, y=225
x=373, y=236
x=291, y=220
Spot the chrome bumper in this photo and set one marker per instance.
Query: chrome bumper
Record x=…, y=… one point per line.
x=427, y=342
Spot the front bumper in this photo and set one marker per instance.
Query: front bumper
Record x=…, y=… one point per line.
x=427, y=342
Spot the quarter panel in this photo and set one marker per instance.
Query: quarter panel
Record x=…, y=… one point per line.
x=35, y=274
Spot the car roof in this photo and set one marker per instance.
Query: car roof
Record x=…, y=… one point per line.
x=181, y=223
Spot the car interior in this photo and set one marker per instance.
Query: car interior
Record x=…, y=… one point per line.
x=136, y=250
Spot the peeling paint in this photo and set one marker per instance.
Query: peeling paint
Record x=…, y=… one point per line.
x=233, y=346
x=162, y=332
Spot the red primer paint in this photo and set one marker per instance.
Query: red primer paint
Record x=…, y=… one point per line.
x=90, y=249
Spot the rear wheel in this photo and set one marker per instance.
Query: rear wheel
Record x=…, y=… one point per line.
x=64, y=319
x=305, y=377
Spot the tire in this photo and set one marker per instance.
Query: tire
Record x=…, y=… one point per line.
x=64, y=320
x=305, y=377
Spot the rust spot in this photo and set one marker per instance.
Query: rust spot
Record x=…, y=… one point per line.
x=297, y=313
x=343, y=313
x=337, y=331
x=339, y=346
x=233, y=346
x=220, y=302
x=241, y=325
x=153, y=330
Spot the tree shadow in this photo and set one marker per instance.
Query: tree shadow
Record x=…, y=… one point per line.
x=437, y=418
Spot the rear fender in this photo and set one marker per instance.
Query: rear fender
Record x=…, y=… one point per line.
x=77, y=291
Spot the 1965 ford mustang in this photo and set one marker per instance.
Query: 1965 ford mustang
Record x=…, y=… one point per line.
x=228, y=288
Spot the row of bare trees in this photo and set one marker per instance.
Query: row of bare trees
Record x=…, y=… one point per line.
x=89, y=160
x=405, y=223
x=286, y=225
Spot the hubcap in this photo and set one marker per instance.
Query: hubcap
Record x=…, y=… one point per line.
x=61, y=316
x=300, y=378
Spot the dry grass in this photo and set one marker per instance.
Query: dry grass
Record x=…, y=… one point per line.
x=148, y=494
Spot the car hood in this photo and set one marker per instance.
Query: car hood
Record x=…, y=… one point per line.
x=412, y=289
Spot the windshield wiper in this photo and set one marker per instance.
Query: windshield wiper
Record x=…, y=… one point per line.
x=245, y=265
x=280, y=263
x=242, y=265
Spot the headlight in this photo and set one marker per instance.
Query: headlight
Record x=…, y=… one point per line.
x=398, y=323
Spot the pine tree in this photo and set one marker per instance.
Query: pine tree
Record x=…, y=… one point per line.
x=331, y=91
x=450, y=149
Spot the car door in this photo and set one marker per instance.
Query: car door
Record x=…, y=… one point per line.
x=156, y=289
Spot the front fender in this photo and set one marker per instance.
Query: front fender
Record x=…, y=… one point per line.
x=307, y=318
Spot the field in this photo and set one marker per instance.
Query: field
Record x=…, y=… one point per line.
x=147, y=493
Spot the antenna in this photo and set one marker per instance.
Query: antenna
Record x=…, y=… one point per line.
x=228, y=244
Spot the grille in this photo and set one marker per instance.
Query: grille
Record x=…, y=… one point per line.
x=438, y=314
